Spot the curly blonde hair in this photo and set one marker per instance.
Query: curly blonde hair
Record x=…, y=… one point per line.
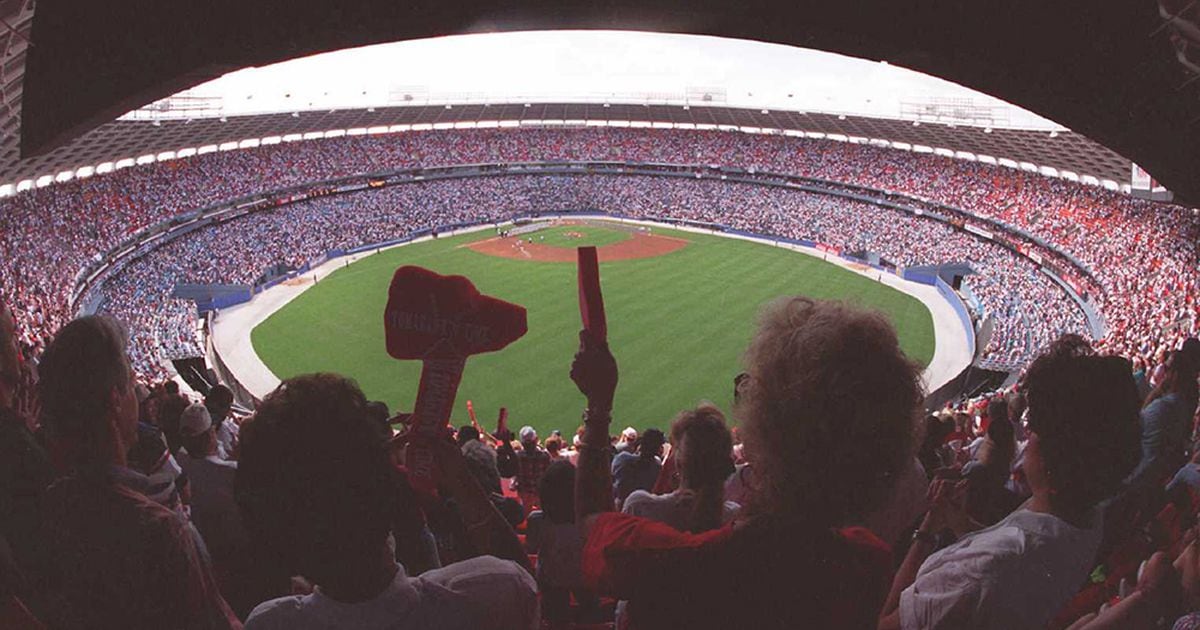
x=830, y=414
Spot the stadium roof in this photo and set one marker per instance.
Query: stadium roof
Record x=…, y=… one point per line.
x=1117, y=75
x=596, y=66
x=16, y=22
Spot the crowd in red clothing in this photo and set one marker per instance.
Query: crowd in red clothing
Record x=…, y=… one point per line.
x=132, y=507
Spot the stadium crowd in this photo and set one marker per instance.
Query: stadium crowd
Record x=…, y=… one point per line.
x=1068, y=499
x=1138, y=258
x=1028, y=308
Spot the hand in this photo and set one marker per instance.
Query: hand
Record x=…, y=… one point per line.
x=452, y=470
x=594, y=371
x=947, y=506
x=502, y=431
x=1158, y=582
x=1188, y=566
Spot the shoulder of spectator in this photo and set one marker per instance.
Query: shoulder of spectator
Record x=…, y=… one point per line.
x=635, y=501
x=486, y=579
x=275, y=613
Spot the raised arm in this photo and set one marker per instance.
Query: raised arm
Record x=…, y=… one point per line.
x=947, y=510
x=595, y=373
x=487, y=529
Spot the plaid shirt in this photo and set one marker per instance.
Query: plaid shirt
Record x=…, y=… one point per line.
x=530, y=467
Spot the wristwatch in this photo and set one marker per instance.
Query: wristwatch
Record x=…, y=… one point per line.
x=925, y=536
x=600, y=415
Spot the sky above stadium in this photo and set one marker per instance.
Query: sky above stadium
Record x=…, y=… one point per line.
x=599, y=66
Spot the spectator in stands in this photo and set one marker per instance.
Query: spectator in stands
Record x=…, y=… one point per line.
x=150, y=457
x=145, y=404
x=961, y=435
x=627, y=441
x=702, y=455
x=465, y=434
x=531, y=461
x=481, y=460
x=987, y=498
x=25, y=470
x=1188, y=474
x=318, y=490
x=554, y=445
x=1139, y=376
x=239, y=570
x=1166, y=421
x=117, y=559
x=637, y=467
x=934, y=453
x=702, y=447
x=219, y=402
x=169, y=412
x=825, y=450
x=555, y=537
x=1021, y=571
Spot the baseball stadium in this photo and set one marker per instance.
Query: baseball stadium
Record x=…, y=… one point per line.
x=882, y=284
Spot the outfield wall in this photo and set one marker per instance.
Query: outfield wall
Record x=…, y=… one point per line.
x=230, y=344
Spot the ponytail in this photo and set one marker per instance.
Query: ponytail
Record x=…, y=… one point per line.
x=706, y=446
x=708, y=508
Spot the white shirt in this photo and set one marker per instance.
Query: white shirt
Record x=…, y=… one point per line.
x=1017, y=573
x=674, y=509
x=227, y=433
x=483, y=593
x=973, y=447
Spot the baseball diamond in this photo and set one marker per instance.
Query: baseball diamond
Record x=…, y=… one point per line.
x=694, y=295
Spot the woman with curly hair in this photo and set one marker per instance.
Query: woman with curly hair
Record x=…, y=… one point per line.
x=829, y=418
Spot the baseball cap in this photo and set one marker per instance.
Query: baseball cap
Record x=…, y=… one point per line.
x=195, y=420
x=528, y=434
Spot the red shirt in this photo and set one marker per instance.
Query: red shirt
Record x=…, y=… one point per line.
x=761, y=575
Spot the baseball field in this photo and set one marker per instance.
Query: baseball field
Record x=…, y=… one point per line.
x=681, y=308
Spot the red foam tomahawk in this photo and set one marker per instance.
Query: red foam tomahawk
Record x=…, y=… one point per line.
x=591, y=301
x=441, y=320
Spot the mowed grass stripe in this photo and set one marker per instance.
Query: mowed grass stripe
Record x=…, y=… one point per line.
x=678, y=324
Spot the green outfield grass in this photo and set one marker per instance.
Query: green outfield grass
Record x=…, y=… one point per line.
x=677, y=325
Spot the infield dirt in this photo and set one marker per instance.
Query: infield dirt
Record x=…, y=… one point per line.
x=639, y=245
